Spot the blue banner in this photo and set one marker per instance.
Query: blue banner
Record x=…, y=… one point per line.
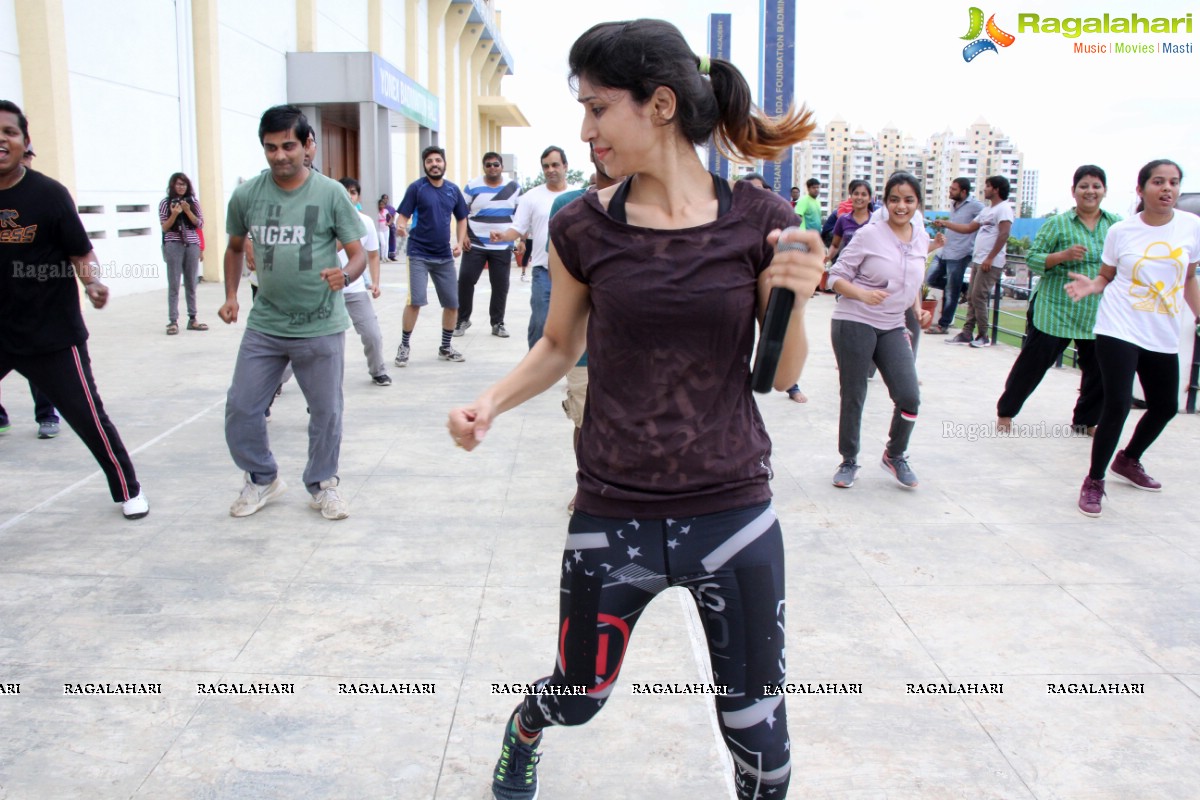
x=718, y=47
x=395, y=90
x=777, y=88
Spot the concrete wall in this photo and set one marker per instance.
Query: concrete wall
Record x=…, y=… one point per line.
x=130, y=96
x=125, y=105
x=342, y=26
x=255, y=38
x=10, y=51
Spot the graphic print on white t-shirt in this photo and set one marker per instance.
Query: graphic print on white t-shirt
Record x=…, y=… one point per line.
x=1157, y=279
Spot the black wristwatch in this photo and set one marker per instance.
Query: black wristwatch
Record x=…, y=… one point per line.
x=346, y=278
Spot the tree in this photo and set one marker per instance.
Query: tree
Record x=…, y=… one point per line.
x=1026, y=209
x=575, y=177
x=1018, y=247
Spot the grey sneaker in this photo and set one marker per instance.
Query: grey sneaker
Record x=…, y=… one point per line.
x=254, y=497
x=450, y=354
x=981, y=341
x=844, y=477
x=402, y=356
x=461, y=327
x=382, y=380
x=898, y=466
x=961, y=338
x=500, y=330
x=330, y=503
x=47, y=430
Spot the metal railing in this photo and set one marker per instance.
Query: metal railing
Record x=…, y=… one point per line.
x=1194, y=375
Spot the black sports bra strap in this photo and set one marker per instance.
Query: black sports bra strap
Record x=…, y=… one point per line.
x=616, y=205
x=724, y=194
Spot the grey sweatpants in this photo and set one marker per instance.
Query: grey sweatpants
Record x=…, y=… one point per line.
x=318, y=363
x=183, y=265
x=366, y=324
x=856, y=346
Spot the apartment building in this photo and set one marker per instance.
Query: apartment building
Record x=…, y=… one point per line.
x=837, y=156
x=1029, y=193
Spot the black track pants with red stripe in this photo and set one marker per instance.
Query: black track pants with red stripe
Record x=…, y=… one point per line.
x=65, y=376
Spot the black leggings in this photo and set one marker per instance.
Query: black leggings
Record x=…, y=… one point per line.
x=1039, y=353
x=1159, y=373
x=732, y=563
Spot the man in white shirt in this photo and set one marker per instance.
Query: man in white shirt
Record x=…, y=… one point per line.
x=533, y=215
x=987, y=263
x=358, y=296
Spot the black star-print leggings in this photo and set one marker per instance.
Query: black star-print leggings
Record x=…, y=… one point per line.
x=732, y=563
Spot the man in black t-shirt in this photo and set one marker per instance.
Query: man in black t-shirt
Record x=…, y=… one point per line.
x=43, y=410
x=43, y=247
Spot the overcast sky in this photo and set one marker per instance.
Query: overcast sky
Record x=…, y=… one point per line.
x=873, y=62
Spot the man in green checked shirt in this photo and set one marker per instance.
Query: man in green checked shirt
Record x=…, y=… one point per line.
x=1072, y=241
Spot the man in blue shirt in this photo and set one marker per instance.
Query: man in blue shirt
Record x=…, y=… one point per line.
x=430, y=253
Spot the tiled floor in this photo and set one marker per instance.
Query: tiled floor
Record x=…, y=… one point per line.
x=446, y=574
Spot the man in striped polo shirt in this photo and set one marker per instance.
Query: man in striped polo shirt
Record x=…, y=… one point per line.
x=1069, y=242
x=493, y=203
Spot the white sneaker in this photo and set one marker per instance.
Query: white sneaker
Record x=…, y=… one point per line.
x=254, y=497
x=136, y=507
x=328, y=500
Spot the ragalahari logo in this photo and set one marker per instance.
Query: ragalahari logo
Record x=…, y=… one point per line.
x=995, y=36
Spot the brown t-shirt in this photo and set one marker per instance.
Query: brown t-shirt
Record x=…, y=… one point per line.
x=671, y=427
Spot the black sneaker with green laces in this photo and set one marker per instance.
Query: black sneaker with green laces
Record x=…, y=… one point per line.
x=515, y=777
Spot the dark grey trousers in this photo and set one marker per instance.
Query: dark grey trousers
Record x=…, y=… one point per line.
x=857, y=346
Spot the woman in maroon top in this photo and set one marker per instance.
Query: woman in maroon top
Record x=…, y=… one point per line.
x=663, y=278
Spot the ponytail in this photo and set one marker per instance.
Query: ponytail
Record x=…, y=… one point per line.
x=642, y=55
x=743, y=132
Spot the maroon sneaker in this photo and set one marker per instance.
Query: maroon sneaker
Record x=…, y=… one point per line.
x=1090, y=496
x=1131, y=470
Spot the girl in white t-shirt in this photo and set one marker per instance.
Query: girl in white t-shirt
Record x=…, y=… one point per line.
x=1150, y=261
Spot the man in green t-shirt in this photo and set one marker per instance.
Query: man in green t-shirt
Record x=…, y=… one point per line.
x=808, y=207
x=296, y=217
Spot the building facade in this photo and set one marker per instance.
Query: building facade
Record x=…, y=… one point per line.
x=1029, y=193
x=836, y=156
x=120, y=96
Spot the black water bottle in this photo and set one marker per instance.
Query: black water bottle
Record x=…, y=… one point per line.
x=774, y=328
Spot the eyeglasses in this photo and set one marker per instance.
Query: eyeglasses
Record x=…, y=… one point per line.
x=493, y=164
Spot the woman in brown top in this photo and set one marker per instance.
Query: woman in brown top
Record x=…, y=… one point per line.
x=663, y=277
